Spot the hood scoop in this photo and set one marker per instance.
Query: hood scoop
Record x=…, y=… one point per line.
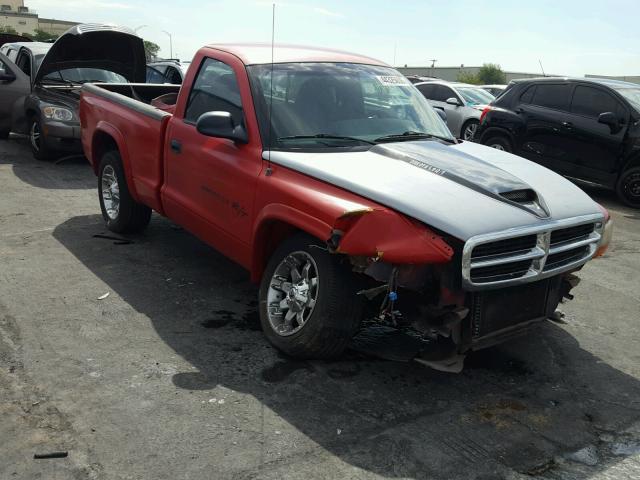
x=528, y=199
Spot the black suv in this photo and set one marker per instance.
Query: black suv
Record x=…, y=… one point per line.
x=587, y=129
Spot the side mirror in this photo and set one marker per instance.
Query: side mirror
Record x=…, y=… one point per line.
x=610, y=119
x=7, y=76
x=453, y=101
x=442, y=114
x=220, y=124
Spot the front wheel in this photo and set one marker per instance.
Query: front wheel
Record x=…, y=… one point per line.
x=37, y=141
x=309, y=307
x=121, y=212
x=469, y=130
x=628, y=187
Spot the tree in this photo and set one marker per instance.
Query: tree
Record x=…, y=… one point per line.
x=151, y=50
x=491, y=74
x=43, y=36
x=468, y=77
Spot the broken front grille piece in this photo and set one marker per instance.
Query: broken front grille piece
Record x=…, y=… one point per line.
x=537, y=252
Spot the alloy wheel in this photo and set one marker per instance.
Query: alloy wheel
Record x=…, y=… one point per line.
x=34, y=136
x=470, y=131
x=110, y=192
x=292, y=294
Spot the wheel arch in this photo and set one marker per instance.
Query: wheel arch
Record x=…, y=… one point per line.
x=276, y=223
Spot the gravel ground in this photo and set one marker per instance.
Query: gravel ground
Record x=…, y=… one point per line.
x=169, y=378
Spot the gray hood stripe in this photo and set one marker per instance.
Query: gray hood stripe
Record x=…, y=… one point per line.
x=448, y=174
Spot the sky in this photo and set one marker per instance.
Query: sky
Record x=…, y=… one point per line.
x=569, y=37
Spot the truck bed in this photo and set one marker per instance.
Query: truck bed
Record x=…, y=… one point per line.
x=124, y=112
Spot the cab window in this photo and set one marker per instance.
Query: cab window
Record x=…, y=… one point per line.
x=215, y=89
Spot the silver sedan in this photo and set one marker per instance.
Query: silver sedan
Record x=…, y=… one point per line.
x=463, y=104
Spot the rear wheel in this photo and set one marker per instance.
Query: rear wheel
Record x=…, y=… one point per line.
x=628, y=187
x=121, y=212
x=499, y=143
x=37, y=141
x=469, y=130
x=309, y=307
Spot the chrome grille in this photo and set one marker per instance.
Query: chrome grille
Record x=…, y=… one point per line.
x=529, y=253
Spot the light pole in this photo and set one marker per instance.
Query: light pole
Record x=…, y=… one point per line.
x=170, y=44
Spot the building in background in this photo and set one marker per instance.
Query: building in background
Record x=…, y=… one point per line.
x=450, y=74
x=14, y=14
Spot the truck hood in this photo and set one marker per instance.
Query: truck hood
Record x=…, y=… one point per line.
x=461, y=189
x=106, y=47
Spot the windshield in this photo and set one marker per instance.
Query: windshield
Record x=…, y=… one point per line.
x=328, y=105
x=475, y=96
x=632, y=95
x=84, y=75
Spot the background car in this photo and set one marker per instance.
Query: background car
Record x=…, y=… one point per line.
x=40, y=93
x=167, y=71
x=17, y=62
x=494, y=90
x=463, y=104
x=582, y=128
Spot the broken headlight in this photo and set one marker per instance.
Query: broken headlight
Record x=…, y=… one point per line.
x=58, y=113
x=607, y=235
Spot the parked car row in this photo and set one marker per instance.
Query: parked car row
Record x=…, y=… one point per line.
x=586, y=129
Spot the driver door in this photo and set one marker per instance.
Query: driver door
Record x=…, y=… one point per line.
x=210, y=182
x=15, y=86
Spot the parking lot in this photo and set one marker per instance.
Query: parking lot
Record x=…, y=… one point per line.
x=169, y=377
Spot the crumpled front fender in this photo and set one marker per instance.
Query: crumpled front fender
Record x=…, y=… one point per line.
x=387, y=235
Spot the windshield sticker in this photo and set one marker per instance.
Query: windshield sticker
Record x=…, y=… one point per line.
x=393, y=80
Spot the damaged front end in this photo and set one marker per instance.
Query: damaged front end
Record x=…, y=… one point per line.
x=433, y=298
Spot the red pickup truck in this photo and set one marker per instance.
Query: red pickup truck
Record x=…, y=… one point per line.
x=330, y=178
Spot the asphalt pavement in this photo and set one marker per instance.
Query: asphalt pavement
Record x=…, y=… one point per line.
x=169, y=377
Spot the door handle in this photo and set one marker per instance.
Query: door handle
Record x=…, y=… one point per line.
x=567, y=124
x=176, y=145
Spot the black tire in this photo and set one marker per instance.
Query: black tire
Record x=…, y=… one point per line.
x=38, y=145
x=628, y=187
x=337, y=312
x=130, y=216
x=4, y=134
x=499, y=142
x=469, y=124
